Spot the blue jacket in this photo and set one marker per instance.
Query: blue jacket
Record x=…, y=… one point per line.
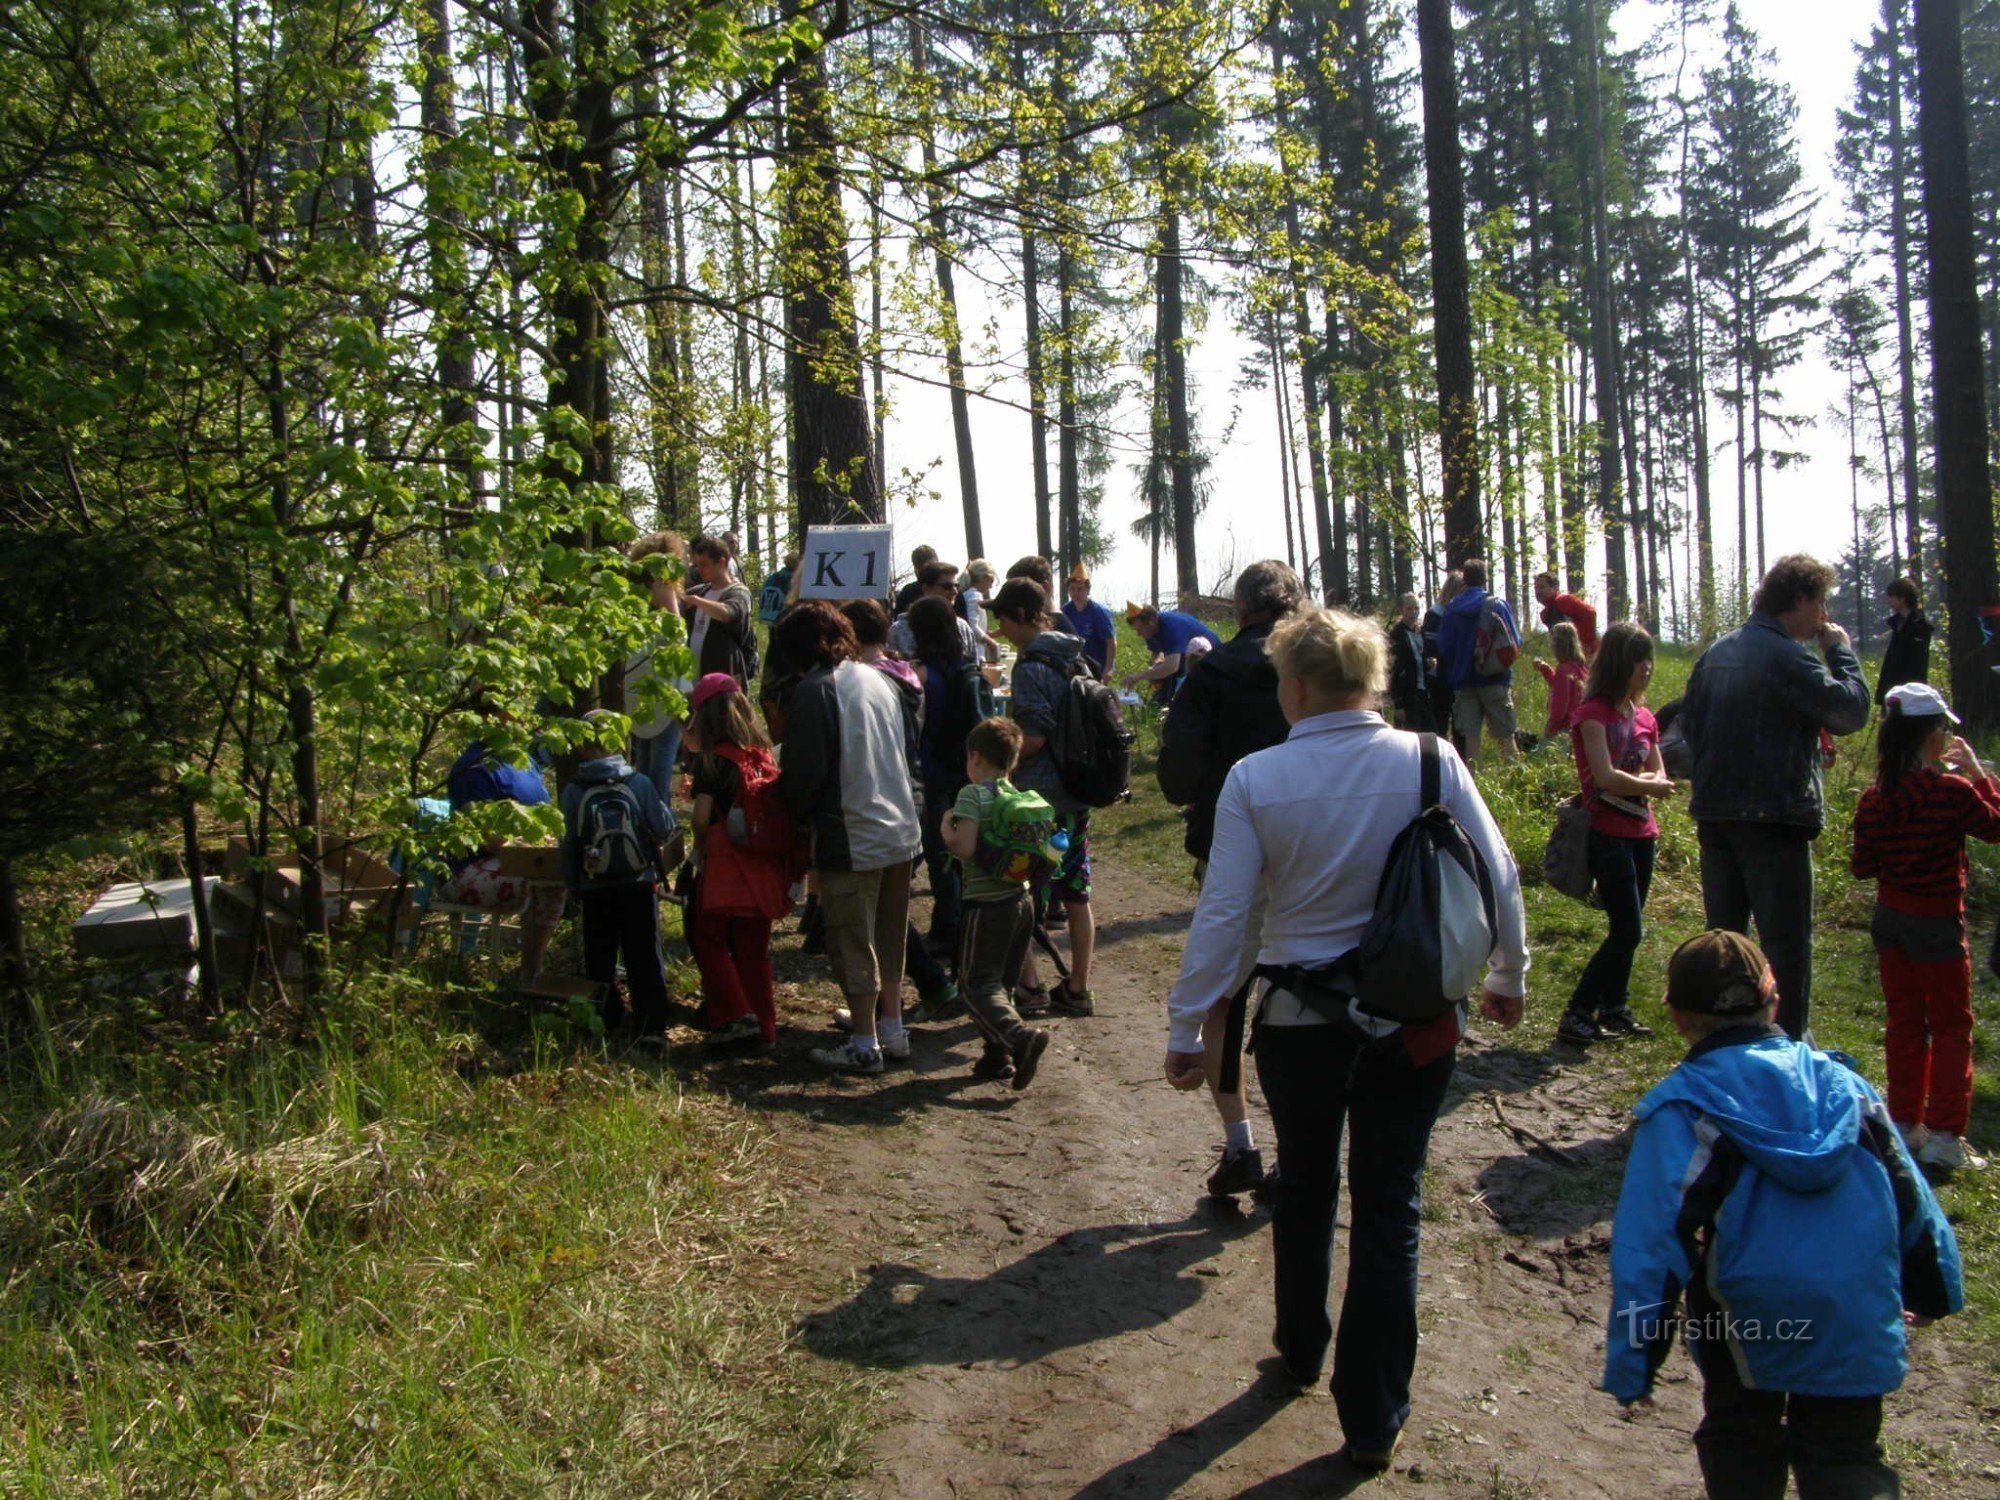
x=1755, y=705
x=1767, y=1180
x=656, y=818
x=1457, y=638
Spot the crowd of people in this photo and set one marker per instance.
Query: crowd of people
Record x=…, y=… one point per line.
x=884, y=748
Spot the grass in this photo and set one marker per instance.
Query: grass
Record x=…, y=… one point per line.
x=404, y=1246
x=1847, y=1002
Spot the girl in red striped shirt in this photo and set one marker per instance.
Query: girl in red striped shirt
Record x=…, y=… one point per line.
x=1930, y=794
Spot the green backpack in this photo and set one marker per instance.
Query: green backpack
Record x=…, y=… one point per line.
x=1015, y=835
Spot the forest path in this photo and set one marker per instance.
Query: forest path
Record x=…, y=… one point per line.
x=1061, y=1312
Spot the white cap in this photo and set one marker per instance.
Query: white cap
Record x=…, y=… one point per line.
x=1918, y=700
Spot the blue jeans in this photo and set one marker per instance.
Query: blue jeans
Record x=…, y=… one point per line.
x=1317, y=1081
x=655, y=758
x=945, y=888
x=1623, y=870
x=1764, y=871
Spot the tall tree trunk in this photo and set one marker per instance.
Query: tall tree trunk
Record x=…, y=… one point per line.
x=1286, y=452
x=939, y=223
x=1444, y=173
x=1958, y=376
x=834, y=460
x=1604, y=338
x=1038, y=396
x=456, y=374
x=1170, y=276
x=1900, y=252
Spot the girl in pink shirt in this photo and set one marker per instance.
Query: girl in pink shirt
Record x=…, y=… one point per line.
x=1565, y=678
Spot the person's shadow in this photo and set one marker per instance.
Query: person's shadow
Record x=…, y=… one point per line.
x=1176, y=1458
x=1085, y=1286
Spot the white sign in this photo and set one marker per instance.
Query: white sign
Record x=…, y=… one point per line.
x=844, y=562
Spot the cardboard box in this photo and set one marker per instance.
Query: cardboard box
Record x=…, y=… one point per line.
x=348, y=873
x=139, y=918
x=531, y=862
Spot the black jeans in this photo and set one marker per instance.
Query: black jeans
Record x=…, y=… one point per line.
x=626, y=918
x=1763, y=871
x=1317, y=1080
x=1748, y=1439
x=993, y=941
x=1623, y=870
x=943, y=869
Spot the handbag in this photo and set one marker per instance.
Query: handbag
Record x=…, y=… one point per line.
x=1566, y=860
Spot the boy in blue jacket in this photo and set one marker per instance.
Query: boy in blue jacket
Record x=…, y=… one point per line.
x=1768, y=1184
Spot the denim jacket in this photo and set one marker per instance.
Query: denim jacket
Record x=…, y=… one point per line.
x=1753, y=712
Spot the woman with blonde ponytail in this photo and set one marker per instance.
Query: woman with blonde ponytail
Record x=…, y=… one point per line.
x=1310, y=823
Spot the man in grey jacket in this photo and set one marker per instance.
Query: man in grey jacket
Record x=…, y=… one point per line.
x=1755, y=706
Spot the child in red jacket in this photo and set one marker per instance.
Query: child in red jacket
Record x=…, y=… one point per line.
x=1565, y=680
x=1930, y=794
x=740, y=890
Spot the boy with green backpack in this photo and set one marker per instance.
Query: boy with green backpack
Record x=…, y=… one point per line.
x=1002, y=838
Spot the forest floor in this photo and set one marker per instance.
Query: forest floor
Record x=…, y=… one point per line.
x=1057, y=1310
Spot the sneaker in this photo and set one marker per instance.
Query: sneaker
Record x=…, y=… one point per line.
x=1028, y=1050
x=1030, y=1002
x=1241, y=1170
x=933, y=1008
x=848, y=1058
x=1949, y=1152
x=894, y=1045
x=742, y=1029
x=1065, y=1001
x=1621, y=1022
x=1914, y=1136
x=1579, y=1028
x=1058, y=916
x=993, y=1063
x=1373, y=1460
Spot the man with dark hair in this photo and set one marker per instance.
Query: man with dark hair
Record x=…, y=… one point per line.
x=1558, y=607
x=920, y=558
x=1908, y=655
x=1753, y=713
x=1037, y=569
x=935, y=580
x=721, y=632
x=1227, y=709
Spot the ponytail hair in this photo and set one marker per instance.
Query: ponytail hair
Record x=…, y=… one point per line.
x=1338, y=654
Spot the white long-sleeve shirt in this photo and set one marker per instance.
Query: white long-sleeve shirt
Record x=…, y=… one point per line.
x=1311, y=821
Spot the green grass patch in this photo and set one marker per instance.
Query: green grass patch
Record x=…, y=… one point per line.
x=404, y=1247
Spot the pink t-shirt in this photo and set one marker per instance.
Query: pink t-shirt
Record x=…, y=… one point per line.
x=1630, y=739
x=1565, y=693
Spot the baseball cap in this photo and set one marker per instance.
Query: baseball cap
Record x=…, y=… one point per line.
x=708, y=685
x=1918, y=700
x=1720, y=974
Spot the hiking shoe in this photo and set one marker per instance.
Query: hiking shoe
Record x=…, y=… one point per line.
x=894, y=1045
x=1914, y=1136
x=1065, y=1001
x=1372, y=1460
x=1949, y=1152
x=1579, y=1028
x=1621, y=1022
x=1241, y=1170
x=1028, y=1050
x=742, y=1029
x=1031, y=1001
x=993, y=1063
x=1058, y=915
x=936, y=1007
x=848, y=1058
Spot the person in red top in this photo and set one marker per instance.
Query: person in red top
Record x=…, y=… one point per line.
x=1617, y=746
x=1558, y=606
x=1565, y=678
x=1930, y=794
x=739, y=892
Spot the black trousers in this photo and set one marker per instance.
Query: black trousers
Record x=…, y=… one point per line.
x=1623, y=870
x=1319, y=1082
x=1763, y=872
x=1748, y=1439
x=625, y=919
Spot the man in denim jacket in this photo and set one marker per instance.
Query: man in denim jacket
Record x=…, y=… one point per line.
x=1755, y=706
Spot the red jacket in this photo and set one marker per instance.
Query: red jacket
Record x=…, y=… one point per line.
x=736, y=882
x=1580, y=613
x=1911, y=839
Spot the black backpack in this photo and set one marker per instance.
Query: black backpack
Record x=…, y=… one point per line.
x=1424, y=950
x=1089, y=743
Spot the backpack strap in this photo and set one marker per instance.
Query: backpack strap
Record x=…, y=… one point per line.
x=1431, y=781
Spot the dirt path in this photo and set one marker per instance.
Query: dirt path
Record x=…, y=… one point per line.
x=1065, y=1315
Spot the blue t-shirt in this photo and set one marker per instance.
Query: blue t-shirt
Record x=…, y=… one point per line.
x=1176, y=630
x=1098, y=631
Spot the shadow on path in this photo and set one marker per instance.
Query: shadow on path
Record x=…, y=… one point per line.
x=1085, y=1286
